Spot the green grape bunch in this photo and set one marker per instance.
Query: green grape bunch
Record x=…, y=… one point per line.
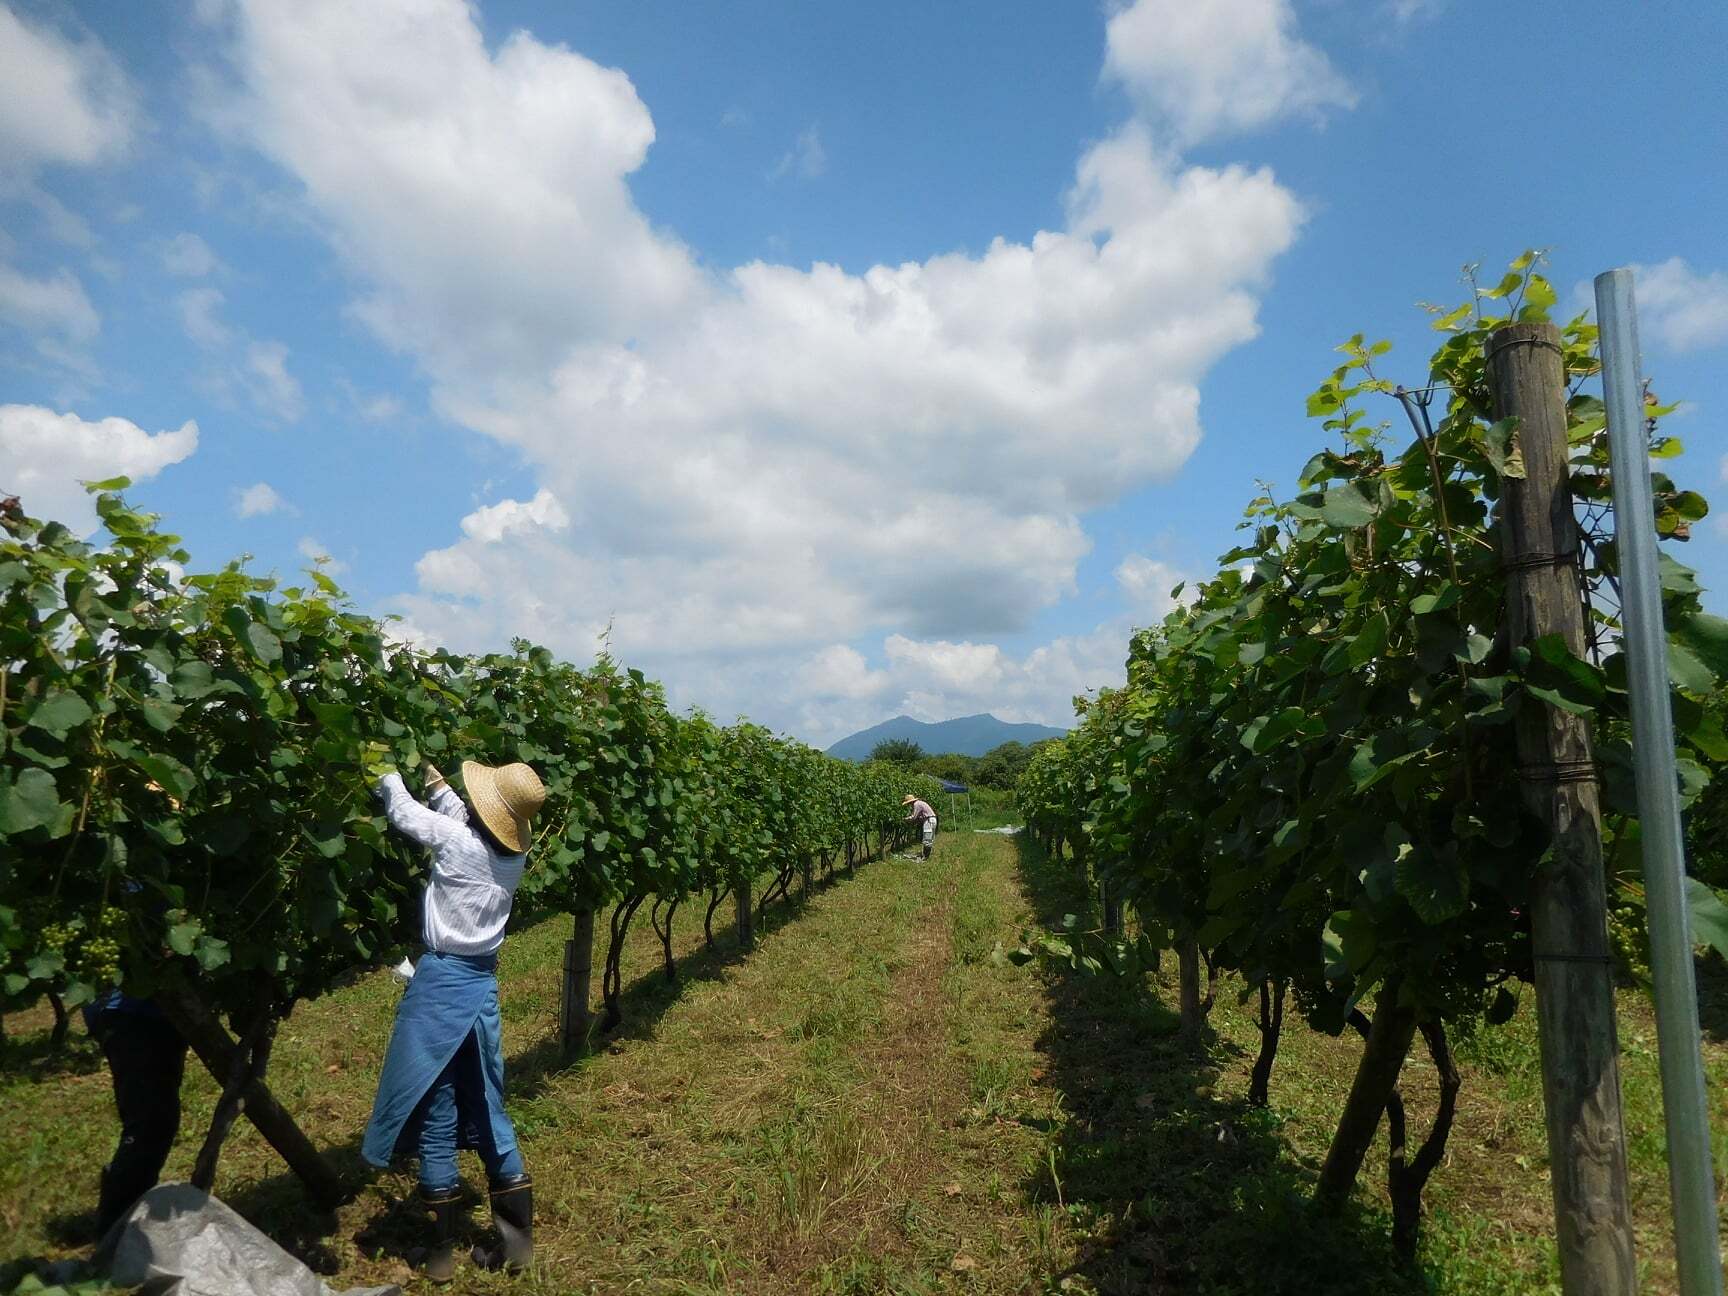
x=99, y=961
x=1629, y=939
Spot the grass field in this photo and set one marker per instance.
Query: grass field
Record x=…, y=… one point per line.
x=870, y=1103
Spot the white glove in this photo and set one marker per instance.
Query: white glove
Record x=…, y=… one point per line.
x=403, y=971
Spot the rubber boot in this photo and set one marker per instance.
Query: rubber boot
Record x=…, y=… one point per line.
x=513, y=1217
x=439, y=1262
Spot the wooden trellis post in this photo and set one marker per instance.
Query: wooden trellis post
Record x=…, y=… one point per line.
x=1574, y=974
x=746, y=916
x=574, y=1019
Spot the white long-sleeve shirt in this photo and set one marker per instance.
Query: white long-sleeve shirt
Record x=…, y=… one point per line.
x=468, y=896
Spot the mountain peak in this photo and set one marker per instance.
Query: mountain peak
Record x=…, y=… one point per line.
x=971, y=735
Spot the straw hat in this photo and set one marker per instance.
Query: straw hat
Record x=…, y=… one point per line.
x=909, y=798
x=506, y=797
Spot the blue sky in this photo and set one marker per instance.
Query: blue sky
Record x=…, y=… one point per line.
x=836, y=362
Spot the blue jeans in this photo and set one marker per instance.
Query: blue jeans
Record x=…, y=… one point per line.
x=460, y=1086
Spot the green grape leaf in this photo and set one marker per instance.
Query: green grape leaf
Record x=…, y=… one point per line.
x=77, y=994
x=1349, y=941
x=1708, y=915
x=60, y=712
x=1676, y=577
x=1686, y=671
x=194, y=680
x=1346, y=508
x=161, y=716
x=182, y=936
x=31, y=802
x=1705, y=637
x=1446, y=596
x=172, y=776
x=265, y=643
x=1433, y=883
x=1500, y=444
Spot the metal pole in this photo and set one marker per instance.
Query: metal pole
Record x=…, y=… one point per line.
x=1690, y=1176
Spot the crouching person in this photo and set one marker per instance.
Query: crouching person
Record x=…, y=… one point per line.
x=923, y=817
x=442, y=1085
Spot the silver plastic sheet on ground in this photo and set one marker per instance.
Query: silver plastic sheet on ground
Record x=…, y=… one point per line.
x=183, y=1242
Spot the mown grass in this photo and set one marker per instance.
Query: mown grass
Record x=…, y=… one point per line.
x=871, y=1102
x=57, y=1125
x=790, y=1121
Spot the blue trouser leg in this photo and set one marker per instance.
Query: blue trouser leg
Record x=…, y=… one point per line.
x=437, y=1121
x=460, y=1096
x=482, y=1095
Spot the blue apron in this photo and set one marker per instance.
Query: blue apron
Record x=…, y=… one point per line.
x=451, y=998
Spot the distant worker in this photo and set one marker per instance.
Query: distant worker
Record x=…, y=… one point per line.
x=925, y=817
x=443, y=1075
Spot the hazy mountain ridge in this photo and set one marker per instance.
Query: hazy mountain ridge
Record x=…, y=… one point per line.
x=965, y=736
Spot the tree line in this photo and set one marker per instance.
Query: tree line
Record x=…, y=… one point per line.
x=999, y=768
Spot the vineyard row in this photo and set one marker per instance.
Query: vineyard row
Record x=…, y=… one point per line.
x=1319, y=774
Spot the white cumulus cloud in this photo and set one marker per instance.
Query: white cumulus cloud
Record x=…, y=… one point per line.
x=1146, y=584
x=260, y=500
x=523, y=152
x=46, y=456
x=1682, y=308
x=509, y=517
x=743, y=467
x=962, y=667
x=839, y=671
x=1220, y=67
x=65, y=101
x=55, y=304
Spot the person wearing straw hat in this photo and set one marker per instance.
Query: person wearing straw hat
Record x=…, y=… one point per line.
x=922, y=815
x=442, y=1083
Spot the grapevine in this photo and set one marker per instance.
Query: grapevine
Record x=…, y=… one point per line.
x=1311, y=776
